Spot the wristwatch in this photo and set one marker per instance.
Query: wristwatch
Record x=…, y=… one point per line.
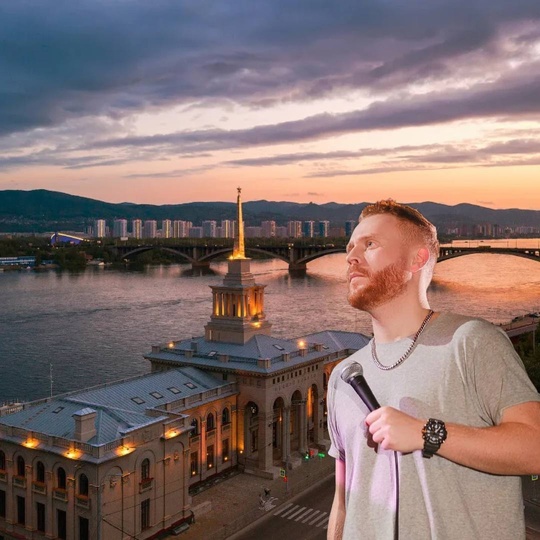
x=434, y=433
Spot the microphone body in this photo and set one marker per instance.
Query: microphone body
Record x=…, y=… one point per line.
x=353, y=375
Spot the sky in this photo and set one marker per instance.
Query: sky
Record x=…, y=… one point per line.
x=174, y=101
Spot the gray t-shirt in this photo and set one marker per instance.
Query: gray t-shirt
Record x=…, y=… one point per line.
x=462, y=371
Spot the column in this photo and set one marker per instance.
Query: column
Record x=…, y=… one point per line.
x=265, y=440
x=302, y=424
x=286, y=433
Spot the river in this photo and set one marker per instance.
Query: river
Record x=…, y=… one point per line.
x=94, y=326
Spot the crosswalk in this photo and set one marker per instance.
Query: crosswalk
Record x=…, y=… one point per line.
x=303, y=514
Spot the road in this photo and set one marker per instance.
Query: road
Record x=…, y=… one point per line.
x=304, y=518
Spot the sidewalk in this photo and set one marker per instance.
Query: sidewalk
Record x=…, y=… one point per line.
x=235, y=501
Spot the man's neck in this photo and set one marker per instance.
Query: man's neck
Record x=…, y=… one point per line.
x=398, y=319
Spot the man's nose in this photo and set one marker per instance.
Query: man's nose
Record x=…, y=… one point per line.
x=354, y=255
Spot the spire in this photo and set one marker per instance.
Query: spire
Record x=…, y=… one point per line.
x=239, y=249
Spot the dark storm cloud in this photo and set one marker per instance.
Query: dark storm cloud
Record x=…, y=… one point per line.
x=62, y=59
x=517, y=96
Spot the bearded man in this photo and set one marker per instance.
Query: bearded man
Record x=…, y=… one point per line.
x=460, y=419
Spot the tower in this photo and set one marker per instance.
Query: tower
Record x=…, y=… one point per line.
x=238, y=304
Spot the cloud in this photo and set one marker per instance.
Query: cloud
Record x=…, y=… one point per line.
x=113, y=59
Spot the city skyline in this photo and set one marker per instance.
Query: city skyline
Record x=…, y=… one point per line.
x=128, y=102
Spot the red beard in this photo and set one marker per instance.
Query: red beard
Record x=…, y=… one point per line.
x=382, y=286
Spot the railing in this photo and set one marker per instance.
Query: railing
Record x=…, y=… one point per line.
x=60, y=494
x=146, y=484
x=39, y=487
x=225, y=427
x=19, y=481
x=83, y=501
x=3, y=476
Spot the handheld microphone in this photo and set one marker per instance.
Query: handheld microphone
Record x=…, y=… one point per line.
x=353, y=374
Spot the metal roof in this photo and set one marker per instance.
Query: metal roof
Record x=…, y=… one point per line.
x=117, y=411
x=205, y=354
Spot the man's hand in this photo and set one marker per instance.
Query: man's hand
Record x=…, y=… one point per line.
x=395, y=430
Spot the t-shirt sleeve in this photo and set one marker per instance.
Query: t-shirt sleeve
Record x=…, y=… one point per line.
x=496, y=372
x=336, y=447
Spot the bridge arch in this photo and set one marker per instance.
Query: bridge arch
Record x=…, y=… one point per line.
x=453, y=253
x=139, y=250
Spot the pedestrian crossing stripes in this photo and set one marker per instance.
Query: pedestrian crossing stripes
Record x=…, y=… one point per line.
x=303, y=514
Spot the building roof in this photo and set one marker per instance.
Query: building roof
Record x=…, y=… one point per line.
x=120, y=407
x=206, y=354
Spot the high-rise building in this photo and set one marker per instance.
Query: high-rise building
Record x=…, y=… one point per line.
x=253, y=232
x=209, y=229
x=294, y=229
x=227, y=228
x=195, y=232
x=281, y=232
x=136, y=228
x=100, y=228
x=349, y=227
x=120, y=228
x=309, y=229
x=268, y=229
x=324, y=228
x=166, y=228
x=150, y=228
x=181, y=228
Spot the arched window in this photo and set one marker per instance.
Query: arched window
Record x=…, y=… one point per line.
x=145, y=469
x=40, y=472
x=20, y=466
x=83, y=485
x=2, y=461
x=61, y=478
x=195, y=430
x=226, y=416
x=210, y=423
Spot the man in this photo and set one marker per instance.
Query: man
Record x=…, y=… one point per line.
x=458, y=410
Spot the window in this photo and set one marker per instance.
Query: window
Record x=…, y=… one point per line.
x=83, y=485
x=174, y=390
x=226, y=416
x=254, y=440
x=2, y=461
x=279, y=347
x=21, y=510
x=210, y=423
x=40, y=517
x=190, y=385
x=138, y=400
x=40, y=472
x=2, y=503
x=156, y=395
x=84, y=529
x=145, y=469
x=194, y=463
x=61, y=524
x=225, y=450
x=58, y=409
x=210, y=456
x=195, y=430
x=20, y=466
x=145, y=514
x=61, y=478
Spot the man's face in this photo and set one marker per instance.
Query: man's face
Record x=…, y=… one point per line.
x=377, y=258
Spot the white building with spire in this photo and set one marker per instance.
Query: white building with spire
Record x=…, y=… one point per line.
x=119, y=460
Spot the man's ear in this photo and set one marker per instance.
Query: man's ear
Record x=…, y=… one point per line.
x=420, y=259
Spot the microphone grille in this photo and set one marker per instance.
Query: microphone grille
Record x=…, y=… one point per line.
x=350, y=371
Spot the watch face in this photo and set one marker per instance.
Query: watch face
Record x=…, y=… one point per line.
x=435, y=432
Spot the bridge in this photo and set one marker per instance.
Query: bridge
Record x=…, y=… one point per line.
x=296, y=254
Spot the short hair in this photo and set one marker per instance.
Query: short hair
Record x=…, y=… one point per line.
x=418, y=227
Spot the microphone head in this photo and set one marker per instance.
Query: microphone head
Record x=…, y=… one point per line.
x=351, y=371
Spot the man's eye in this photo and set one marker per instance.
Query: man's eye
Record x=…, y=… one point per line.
x=370, y=243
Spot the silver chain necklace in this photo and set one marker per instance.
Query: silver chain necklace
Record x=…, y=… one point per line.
x=409, y=350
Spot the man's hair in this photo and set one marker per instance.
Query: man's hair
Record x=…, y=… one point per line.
x=417, y=226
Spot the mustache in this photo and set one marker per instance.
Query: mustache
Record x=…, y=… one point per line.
x=355, y=269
